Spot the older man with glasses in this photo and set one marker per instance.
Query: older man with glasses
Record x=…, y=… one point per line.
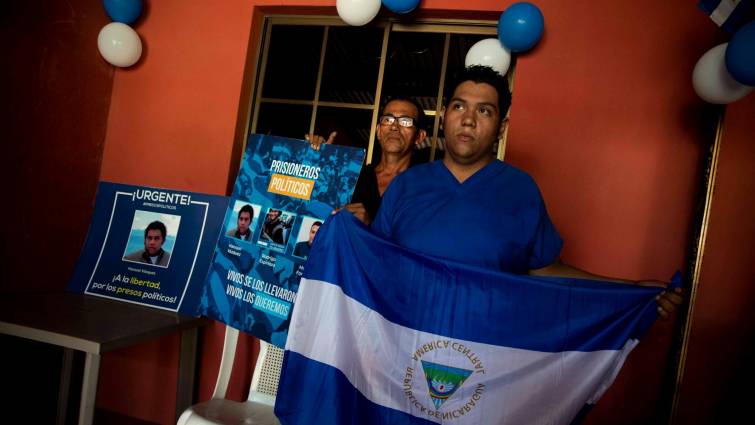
x=399, y=128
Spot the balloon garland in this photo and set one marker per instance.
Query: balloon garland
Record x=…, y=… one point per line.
x=726, y=73
x=740, y=55
x=118, y=43
x=489, y=52
x=711, y=80
x=357, y=12
x=520, y=27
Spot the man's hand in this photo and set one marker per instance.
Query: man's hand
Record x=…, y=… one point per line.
x=359, y=211
x=316, y=141
x=668, y=301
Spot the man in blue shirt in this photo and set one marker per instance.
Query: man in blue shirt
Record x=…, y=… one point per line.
x=476, y=210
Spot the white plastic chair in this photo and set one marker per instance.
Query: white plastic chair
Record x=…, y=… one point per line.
x=258, y=408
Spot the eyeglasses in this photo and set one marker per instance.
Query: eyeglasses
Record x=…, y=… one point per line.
x=402, y=121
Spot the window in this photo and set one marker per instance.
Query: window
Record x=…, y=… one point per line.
x=318, y=75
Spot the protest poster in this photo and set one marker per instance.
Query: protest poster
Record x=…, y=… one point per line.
x=149, y=246
x=283, y=192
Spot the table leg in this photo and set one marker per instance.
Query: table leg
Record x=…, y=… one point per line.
x=65, y=386
x=186, y=370
x=89, y=388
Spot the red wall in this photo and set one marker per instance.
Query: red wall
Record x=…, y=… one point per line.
x=604, y=117
x=171, y=124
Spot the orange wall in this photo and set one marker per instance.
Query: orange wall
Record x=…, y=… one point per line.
x=171, y=124
x=174, y=114
x=604, y=117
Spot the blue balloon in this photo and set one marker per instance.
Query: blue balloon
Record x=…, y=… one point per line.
x=520, y=26
x=123, y=11
x=740, y=55
x=401, y=6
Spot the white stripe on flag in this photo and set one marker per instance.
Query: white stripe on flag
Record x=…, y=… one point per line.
x=381, y=360
x=722, y=12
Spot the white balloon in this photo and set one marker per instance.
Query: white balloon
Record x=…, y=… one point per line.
x=489, y=52
x=119, y=44
x=712, y=80
x=357, y=12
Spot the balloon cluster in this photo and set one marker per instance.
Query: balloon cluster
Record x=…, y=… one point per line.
x=519, y=29
x=360, y=12
x=118, y=43
x=726, y=73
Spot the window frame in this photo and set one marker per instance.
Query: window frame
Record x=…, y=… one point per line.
x=389, y=25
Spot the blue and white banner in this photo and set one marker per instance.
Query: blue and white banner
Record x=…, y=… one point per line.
x=283, y=193
x=149, y=246
x=727, y=14
x=383, y=335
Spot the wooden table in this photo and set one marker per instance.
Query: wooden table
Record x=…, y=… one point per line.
x=94, y=326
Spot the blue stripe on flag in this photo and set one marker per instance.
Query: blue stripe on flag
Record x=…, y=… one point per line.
x=325, y=390
x=451, y=299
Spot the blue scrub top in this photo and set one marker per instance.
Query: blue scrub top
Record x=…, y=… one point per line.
x=496, y=219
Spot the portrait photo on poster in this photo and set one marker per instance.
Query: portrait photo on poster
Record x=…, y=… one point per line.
x=276, y=229
x=152, y=238
x=242, y=223
x=307, y=231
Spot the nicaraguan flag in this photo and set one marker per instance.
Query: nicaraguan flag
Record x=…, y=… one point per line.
x=383, y=335
x=727, y=14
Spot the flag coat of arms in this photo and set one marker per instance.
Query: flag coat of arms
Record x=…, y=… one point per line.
x=384, y=335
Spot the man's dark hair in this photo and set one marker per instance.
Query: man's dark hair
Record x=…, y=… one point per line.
x=156, y=225
x=483, y=74
x=419, y=123
x=247, y=209
x=316, y=223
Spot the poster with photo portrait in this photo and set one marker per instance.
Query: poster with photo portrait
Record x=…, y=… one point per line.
x=149, y=246
x=276, y=229
x=307, y=231
x=252, y=286
x=240, y=224
x=146, y=243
